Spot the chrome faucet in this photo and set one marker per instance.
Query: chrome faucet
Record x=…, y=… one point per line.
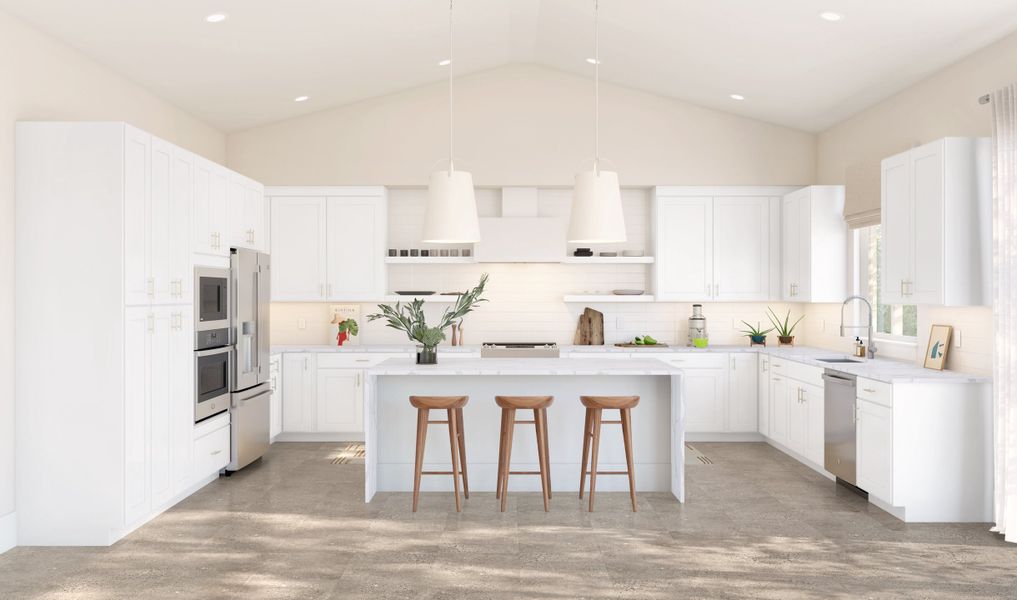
x=872, y=344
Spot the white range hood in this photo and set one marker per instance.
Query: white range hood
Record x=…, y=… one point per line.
x=519, y=235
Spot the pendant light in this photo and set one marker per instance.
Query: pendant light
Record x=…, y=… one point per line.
x=597, y=216
x=451, y=215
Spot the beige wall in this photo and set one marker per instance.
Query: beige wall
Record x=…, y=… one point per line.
x=41, y=79
x=944, y=104
x=523, y=125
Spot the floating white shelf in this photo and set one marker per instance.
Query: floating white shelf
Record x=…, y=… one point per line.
x=438, y=298
x=429, y=260
x=608, y=260
x=607, y=298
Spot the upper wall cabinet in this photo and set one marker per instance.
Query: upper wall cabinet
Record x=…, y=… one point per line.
x=328, y=244
x=211, y=210
x=246, y=201
x=814, y=245
x=715, y=243
x=937, y=224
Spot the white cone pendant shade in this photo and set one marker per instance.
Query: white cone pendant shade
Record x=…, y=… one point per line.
x=597, y=216
x=451, y=215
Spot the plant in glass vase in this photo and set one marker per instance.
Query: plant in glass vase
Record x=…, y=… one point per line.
x=409, y=318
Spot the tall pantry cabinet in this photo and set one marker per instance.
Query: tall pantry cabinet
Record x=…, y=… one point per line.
x=105, y=432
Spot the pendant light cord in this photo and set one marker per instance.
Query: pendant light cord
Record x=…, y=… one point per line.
x=451, y=112
x=596, y=87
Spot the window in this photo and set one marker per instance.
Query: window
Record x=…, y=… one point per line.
x=892, y=321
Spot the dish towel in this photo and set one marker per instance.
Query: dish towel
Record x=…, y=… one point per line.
x=1004, y=260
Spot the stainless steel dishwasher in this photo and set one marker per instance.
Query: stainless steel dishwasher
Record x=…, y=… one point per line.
x=840, y=425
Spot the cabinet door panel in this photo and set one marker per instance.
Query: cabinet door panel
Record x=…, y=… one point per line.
x=743, y=400
x=741, y=248
x=815, y=427
x=896, y=229
x=161, y=163
x=182, y=395
x=927, y=189
x=355, y=248
x=298, y=248
x=137, y=348
x=137, y=218
x=339, y=401
x=705, y=399
x=685, y=248
x=254, y=204
x=779, y=401
x=237, y=200
x=875, y=450
x=181, y=203
x=161, y=411
x=211, y=211
x=763, y=386
x=790, y=245
x=298, y=393
x=798, y=418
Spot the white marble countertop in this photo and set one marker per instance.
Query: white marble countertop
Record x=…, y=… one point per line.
x=879, y=369
x=525, y=366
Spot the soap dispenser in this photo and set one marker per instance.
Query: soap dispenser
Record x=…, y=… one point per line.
x=859, y=348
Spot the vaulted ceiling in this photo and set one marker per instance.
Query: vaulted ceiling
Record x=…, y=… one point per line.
x=792, y=67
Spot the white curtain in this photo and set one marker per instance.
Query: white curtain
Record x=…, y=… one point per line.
x=1004, y=234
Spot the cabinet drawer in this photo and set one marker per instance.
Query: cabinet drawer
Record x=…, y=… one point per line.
x=778, y=366
x=341, y=360
x=690, y=360
x=875, y=391
x=211, y=452
x=804, y=373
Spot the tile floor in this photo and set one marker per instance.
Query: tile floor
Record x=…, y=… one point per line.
x=756, y=525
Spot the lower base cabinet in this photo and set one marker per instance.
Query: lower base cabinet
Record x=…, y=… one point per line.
x=874, y=458
x=340, y=401
x=211, y=446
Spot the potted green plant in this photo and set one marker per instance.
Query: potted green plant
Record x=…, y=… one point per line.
x=784, y=328
x=410, y=319
x=756, y=335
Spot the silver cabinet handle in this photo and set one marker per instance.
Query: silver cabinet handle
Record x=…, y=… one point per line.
x=305, y=363
x=151, y=322
x=777, y=379
x=214, y=452
x=869, y=390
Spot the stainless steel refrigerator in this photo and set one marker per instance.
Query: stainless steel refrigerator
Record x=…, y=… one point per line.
x=249, y=324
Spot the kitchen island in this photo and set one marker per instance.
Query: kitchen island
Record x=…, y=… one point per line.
x=658, y=423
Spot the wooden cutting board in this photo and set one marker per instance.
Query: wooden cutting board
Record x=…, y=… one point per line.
x=631, y=345
x=590, y=331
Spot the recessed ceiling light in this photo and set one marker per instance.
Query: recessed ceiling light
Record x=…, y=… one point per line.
x=829, y=15
x=300, y=99
x=216, y=18
x=592, y=61
x=737, y=97
x=445, y=63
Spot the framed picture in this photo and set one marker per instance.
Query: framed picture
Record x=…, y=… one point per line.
x=939, y=346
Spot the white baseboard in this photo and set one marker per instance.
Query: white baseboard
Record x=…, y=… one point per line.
x=724, y=437
x=808, y=463
x=8, y=531
x=319, y=437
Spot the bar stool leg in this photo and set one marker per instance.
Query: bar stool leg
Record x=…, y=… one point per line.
x=597, y=414
x=538, y=426
x=587, y=432
x=501, y=452
x=510, y=425
x=461, y=430
x=547, y=453
x=422, y=417
x=626, y=423
x=453, y=438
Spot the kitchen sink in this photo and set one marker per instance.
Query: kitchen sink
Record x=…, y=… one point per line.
x=838, y=360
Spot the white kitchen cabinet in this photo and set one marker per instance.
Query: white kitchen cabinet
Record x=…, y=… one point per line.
x=814, y=245
x=780, y=396
x=299, y=392
x=246, y=202
x=763, y=391
x=211, y=446
x=712, y=247
x=275, y=405
x=937, y=224
x=743, y=399
x=210, y=208
x=805, y=420
x=299, y=243
x=328, y=243
x=125, y=413
x=875, y=449
x=705, y=399
x=340, y=401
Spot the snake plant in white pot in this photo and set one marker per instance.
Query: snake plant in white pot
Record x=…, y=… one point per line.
x=409, y=318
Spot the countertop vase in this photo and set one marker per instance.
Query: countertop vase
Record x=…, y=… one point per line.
x=427, y=355
x=786, y=340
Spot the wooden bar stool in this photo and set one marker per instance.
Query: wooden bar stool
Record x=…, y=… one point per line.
x=457, y=440
x=595, y=406
x=509, y=405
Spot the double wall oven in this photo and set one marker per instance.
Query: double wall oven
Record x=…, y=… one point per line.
x=213, y=353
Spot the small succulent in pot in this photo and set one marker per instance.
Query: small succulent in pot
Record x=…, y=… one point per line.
x=756, y=335
x=784, y=328
x=409, y=318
